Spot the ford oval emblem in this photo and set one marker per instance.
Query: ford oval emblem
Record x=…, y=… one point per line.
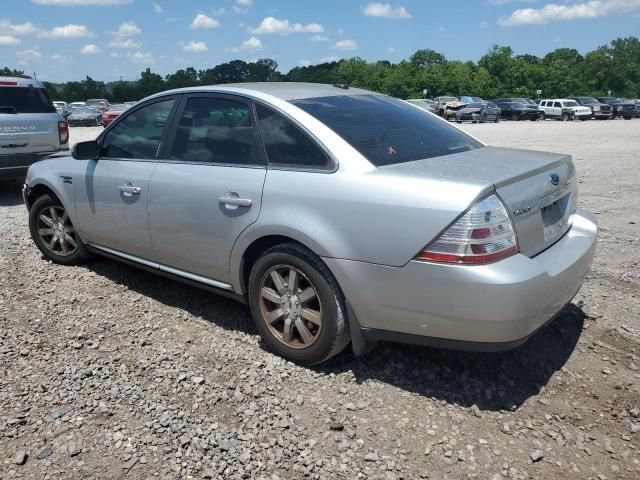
x=554, y=178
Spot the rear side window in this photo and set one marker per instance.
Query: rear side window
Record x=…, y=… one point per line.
x=286, y=144
x=385, y=130
x=557, y=105
x=25, y=100
x=216, y=130
x=138, y=135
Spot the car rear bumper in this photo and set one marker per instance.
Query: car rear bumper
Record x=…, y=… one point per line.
x=15, y=166
x=483, y=307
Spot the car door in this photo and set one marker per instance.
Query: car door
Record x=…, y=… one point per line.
x=111, y=199
x=207, y=188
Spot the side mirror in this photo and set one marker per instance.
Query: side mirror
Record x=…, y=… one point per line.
x=86, y=150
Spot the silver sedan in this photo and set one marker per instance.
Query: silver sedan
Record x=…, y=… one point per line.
x=338, y=214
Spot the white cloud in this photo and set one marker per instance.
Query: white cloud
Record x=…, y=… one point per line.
x=385, y=10
x=90, y=49
x=330, y=59
x=239, y=10
x=67, y=31
x=245, y=3
x=115, y=55
x=28, y=55
x=126, y=29
x=81, y=3
x=9, y=40
x=319, y=38
x=553, y=12
x=205, y=22
x=391, y=49
x=345, y=45
x=124, y=43
x=304, y=63
x=194, y=46
x=144, y=58
x=157, y=7
x=505, y=2
x=253, y=43
x=8, y=28
x=483, y=24
x=57, y=57
x=218, y=12
x=275, y=26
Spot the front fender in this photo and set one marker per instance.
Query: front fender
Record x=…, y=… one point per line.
x=53, y=175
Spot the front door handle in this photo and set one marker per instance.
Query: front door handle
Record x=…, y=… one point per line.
x=232, y=200
x=128, y=189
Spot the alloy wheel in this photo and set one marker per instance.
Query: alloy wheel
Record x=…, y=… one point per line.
x=56, y=231
x=290, y=306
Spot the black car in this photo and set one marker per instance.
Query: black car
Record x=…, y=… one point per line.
x=479, y=112
x=85, y=116
x=598, y=109
x=626, y=110
x=517, y=109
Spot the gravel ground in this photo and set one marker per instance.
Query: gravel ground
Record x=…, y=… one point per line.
x=107, y=372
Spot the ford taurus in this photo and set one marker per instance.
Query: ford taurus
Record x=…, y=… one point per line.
x=337, y=214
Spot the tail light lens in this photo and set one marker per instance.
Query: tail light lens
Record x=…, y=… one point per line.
x=63, y=132
x=482, y=235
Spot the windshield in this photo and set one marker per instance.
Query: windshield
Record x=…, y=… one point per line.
x=588, y=100
x=117, y=108
x=96, y=102
x=25, y=100
x=520, y=100
x=448, y=99
x=84, y=110
x=386, y=130
x=476, y=105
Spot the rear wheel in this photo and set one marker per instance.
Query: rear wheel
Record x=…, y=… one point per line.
x=53, y=233
x=297, y=305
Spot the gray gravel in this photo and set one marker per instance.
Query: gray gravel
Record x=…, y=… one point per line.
x=107, y=372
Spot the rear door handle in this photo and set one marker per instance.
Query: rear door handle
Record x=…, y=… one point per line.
x=129, y=189
x=234, y=201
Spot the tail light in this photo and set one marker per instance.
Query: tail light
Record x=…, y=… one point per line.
x=482, y=235
x=63, y=132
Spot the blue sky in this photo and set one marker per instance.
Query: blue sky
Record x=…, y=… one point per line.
x=64, y=40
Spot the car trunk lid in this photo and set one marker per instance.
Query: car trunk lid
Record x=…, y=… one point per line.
x=28, y=133
x=539, y=189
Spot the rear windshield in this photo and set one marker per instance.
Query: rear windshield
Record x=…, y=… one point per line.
x=386, y=130
x=25, y=100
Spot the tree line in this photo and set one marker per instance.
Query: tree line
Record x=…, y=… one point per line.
x=614, y=68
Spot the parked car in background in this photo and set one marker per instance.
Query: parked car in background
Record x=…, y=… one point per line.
x=517, y=109
x=626, y=110
x=635, y=102
x=101, y=104
x=130, y=104
x=423, y=103
x=85, y=116
x=563, y=109
x=113, y=113
x=62, y=108
x=479, y=112
x=599, y=110
x=413, y=220
x=30, y=127
x=446, y=107
x=74, y=105
x=466, y=99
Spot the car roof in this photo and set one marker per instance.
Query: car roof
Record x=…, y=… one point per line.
x=283, y=90
x=22, y=82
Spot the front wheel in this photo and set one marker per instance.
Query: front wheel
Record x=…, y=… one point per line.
x=53, y=233
x=541, y=116
x=497, y=120
x=565, y=117
x=297, y=305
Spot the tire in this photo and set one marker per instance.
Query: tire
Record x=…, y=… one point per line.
x=565, y=117
x=542, y=116
x=62, y=251
x=483, y=118
x=327, y=334
x=497, y=120
x=628, y=118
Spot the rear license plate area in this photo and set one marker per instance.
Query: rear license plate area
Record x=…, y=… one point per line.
x=555, y=217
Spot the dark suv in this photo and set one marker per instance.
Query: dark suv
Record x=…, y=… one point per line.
x=626, y=110
x=30, y=127
x=598, y=109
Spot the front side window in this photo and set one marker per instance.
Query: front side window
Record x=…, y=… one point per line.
x=216, y=130
x=286, y=144
x=386, y=130
x=138, y=135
